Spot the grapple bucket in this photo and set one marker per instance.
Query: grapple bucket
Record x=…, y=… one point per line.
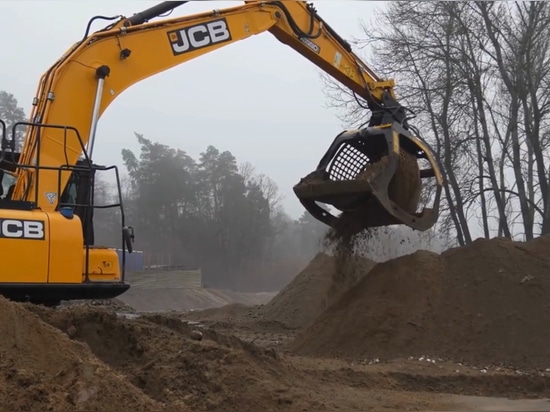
x=373, y=177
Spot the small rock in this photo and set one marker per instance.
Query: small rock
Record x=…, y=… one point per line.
x=527, y=278
x=71, y=331
x=85, y=394
x=196, y=335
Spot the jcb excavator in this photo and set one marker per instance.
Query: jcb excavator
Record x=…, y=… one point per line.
x=46, y=214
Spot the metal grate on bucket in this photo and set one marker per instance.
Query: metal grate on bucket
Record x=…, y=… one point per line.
x=348, y=163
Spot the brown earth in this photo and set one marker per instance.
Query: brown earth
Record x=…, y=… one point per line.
x=42, y=369
x=101, y=359
x=315, y=288
x=295, y=307
x=157, y=354
x=485, y=304
x=416, y=333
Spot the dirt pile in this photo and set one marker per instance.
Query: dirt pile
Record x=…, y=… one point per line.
x=42, y=369
x=322, y=282
x=488, y=303
x=160, y=355
x=86, y=357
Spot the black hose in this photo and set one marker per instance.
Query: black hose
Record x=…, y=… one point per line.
x=89, y=26
x=155, y=11
x=313, y=14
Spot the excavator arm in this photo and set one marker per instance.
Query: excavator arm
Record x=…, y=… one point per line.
x=80, y=86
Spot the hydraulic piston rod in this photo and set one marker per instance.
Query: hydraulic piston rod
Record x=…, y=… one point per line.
x=101, y=73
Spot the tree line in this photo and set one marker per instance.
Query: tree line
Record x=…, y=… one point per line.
x=209, y=213
x=477, y=76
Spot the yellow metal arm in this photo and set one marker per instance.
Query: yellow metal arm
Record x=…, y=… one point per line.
x=78, y=88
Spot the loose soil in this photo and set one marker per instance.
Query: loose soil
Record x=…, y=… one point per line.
x=42, y=369
x=158, y=355
x=485, y=304
x=314, y=289
x=415, y=333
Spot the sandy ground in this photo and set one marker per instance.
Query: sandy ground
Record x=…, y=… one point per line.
x=157, y=361
x=369, y=384
x=479, y=403
x=464, y=330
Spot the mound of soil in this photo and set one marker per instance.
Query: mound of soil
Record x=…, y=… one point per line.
x=321, y=283
x=487, y=303
x=163, y=357
x=42, y=369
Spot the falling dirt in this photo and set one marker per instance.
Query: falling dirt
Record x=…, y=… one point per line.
x=314, y=289
x=484, y=304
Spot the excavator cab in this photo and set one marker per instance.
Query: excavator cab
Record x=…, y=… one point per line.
x=374, y=177
x=67, y=264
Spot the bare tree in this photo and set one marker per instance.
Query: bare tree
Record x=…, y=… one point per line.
x=477, y=76
x=11, y=113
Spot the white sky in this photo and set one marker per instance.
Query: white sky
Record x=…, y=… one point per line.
x=257, y=98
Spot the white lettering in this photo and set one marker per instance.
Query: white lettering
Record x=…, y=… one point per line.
x=201, y=35
x=218, y=31
x=184, y=46
x=196, y=34
x=12, y=228
x=22, y=229
x=33, y=230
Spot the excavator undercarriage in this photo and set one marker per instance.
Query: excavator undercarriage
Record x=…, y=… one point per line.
x=373, y=177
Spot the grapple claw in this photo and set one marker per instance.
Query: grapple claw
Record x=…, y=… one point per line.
x=373, y=177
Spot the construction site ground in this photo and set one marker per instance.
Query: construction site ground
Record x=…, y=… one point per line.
x=463, y=330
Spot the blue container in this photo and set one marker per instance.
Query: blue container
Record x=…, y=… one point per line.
x=134, y=260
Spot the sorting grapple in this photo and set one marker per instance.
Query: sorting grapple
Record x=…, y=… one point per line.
x=372, y=176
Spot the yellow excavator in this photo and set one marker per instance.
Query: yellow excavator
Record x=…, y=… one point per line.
x=372, y=174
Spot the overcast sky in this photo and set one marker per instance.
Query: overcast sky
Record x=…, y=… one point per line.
x=257, y=98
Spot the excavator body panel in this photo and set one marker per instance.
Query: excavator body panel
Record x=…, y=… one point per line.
x=50, y=256
x=52, y=264
x=28, y=231
x=373, y=177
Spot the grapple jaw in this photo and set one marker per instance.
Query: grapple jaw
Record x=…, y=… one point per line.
x=373, y=177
